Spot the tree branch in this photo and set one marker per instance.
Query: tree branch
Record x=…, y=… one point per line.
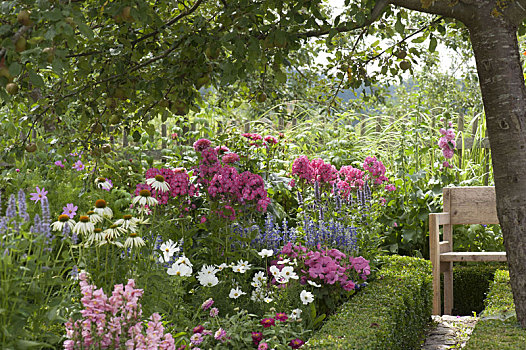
x=169, y=23
x=459, y=9
x=378, y=9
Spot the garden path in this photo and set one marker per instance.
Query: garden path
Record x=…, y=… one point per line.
x=449, y=332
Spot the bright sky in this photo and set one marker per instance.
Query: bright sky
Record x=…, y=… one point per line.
x=448, y=58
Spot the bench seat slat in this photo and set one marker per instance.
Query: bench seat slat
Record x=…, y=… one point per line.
x=473, y=256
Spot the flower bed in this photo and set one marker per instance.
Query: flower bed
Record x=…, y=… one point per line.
x=498, y=327
x=391, y=313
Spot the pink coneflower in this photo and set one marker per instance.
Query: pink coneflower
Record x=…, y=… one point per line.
x=70, y=210
x=39, y=195
x=78, y=166
x=59, y=163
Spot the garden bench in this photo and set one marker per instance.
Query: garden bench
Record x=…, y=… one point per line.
x=462, y=205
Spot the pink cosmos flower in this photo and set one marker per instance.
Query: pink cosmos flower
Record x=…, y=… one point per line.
x=263, y=346
x=39, y=195
x=78, y=166
x=70, y=210
x=59, y=163
x=203, y=219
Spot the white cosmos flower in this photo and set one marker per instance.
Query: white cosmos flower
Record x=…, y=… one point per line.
x=288, y=273
x=180, y=270
x=207, y=280
x=314, y=284
x=241, y=266
x=266, y=253
x=295, y=314
x=168, y=249
x=145, y=198
x=284, y=261
x=258, y=279
x=208, y=270
x=235, y=293
x=158, y=183
x=102, y=209
x=84, y=226
x=133, y=240
x=221, y=267
x=306, y=297
x=274, y=271
x=62, y=221
x=183, y=260
x=267, y=299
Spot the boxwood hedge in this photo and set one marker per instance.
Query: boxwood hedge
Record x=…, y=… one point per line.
x=498, y=327
x=391, y=313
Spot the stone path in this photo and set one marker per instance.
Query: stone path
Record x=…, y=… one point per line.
x=449, y=332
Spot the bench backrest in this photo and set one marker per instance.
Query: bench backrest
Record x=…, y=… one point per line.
x=471, y=205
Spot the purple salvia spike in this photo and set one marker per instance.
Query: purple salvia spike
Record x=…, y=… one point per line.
x=22, y=206
x=10, y=212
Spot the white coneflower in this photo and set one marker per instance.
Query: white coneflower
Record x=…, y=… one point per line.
x=145, y=198
x=133, y=240
x=113, y=231
x=109, y=240
x=84, y=226
x=102, y=183
x=128, y=222
x=94, y=217
x=62, y=221
x=102, y=209
x=158, y=183
x=95, y=237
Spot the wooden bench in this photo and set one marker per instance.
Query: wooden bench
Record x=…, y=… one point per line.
x=462, y=205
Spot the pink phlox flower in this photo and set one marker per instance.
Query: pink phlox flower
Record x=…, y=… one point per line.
x=201, y=144
x=302, y=168
x=230, y=158
x=390, y=187
x=222, y=149
x=271, y=140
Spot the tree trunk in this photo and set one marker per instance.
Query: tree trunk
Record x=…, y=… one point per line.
x=504, y=95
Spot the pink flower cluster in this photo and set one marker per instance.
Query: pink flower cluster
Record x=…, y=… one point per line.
x=327, y=266
x=257, y=337
x=179, y=182
x=346, y=179
x=201, y=144
x=114, y=322
x=447, y=142
x=377, y=170
x=225, y=183
x=253, y=137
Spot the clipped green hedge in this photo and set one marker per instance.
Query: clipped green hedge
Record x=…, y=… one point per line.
x=470, y=286
x=498, y=327
x=391, y=313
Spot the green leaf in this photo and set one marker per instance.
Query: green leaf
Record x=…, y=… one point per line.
x=15, y=69
x=85, y=30
x=36, y=79
x=432, y=44
x=399, y=27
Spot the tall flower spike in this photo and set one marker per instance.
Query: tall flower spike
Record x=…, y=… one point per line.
x=22, y=206
x=46, y=220
x=10, y=212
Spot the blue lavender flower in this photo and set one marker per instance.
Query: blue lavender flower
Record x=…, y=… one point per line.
x=46, y=220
